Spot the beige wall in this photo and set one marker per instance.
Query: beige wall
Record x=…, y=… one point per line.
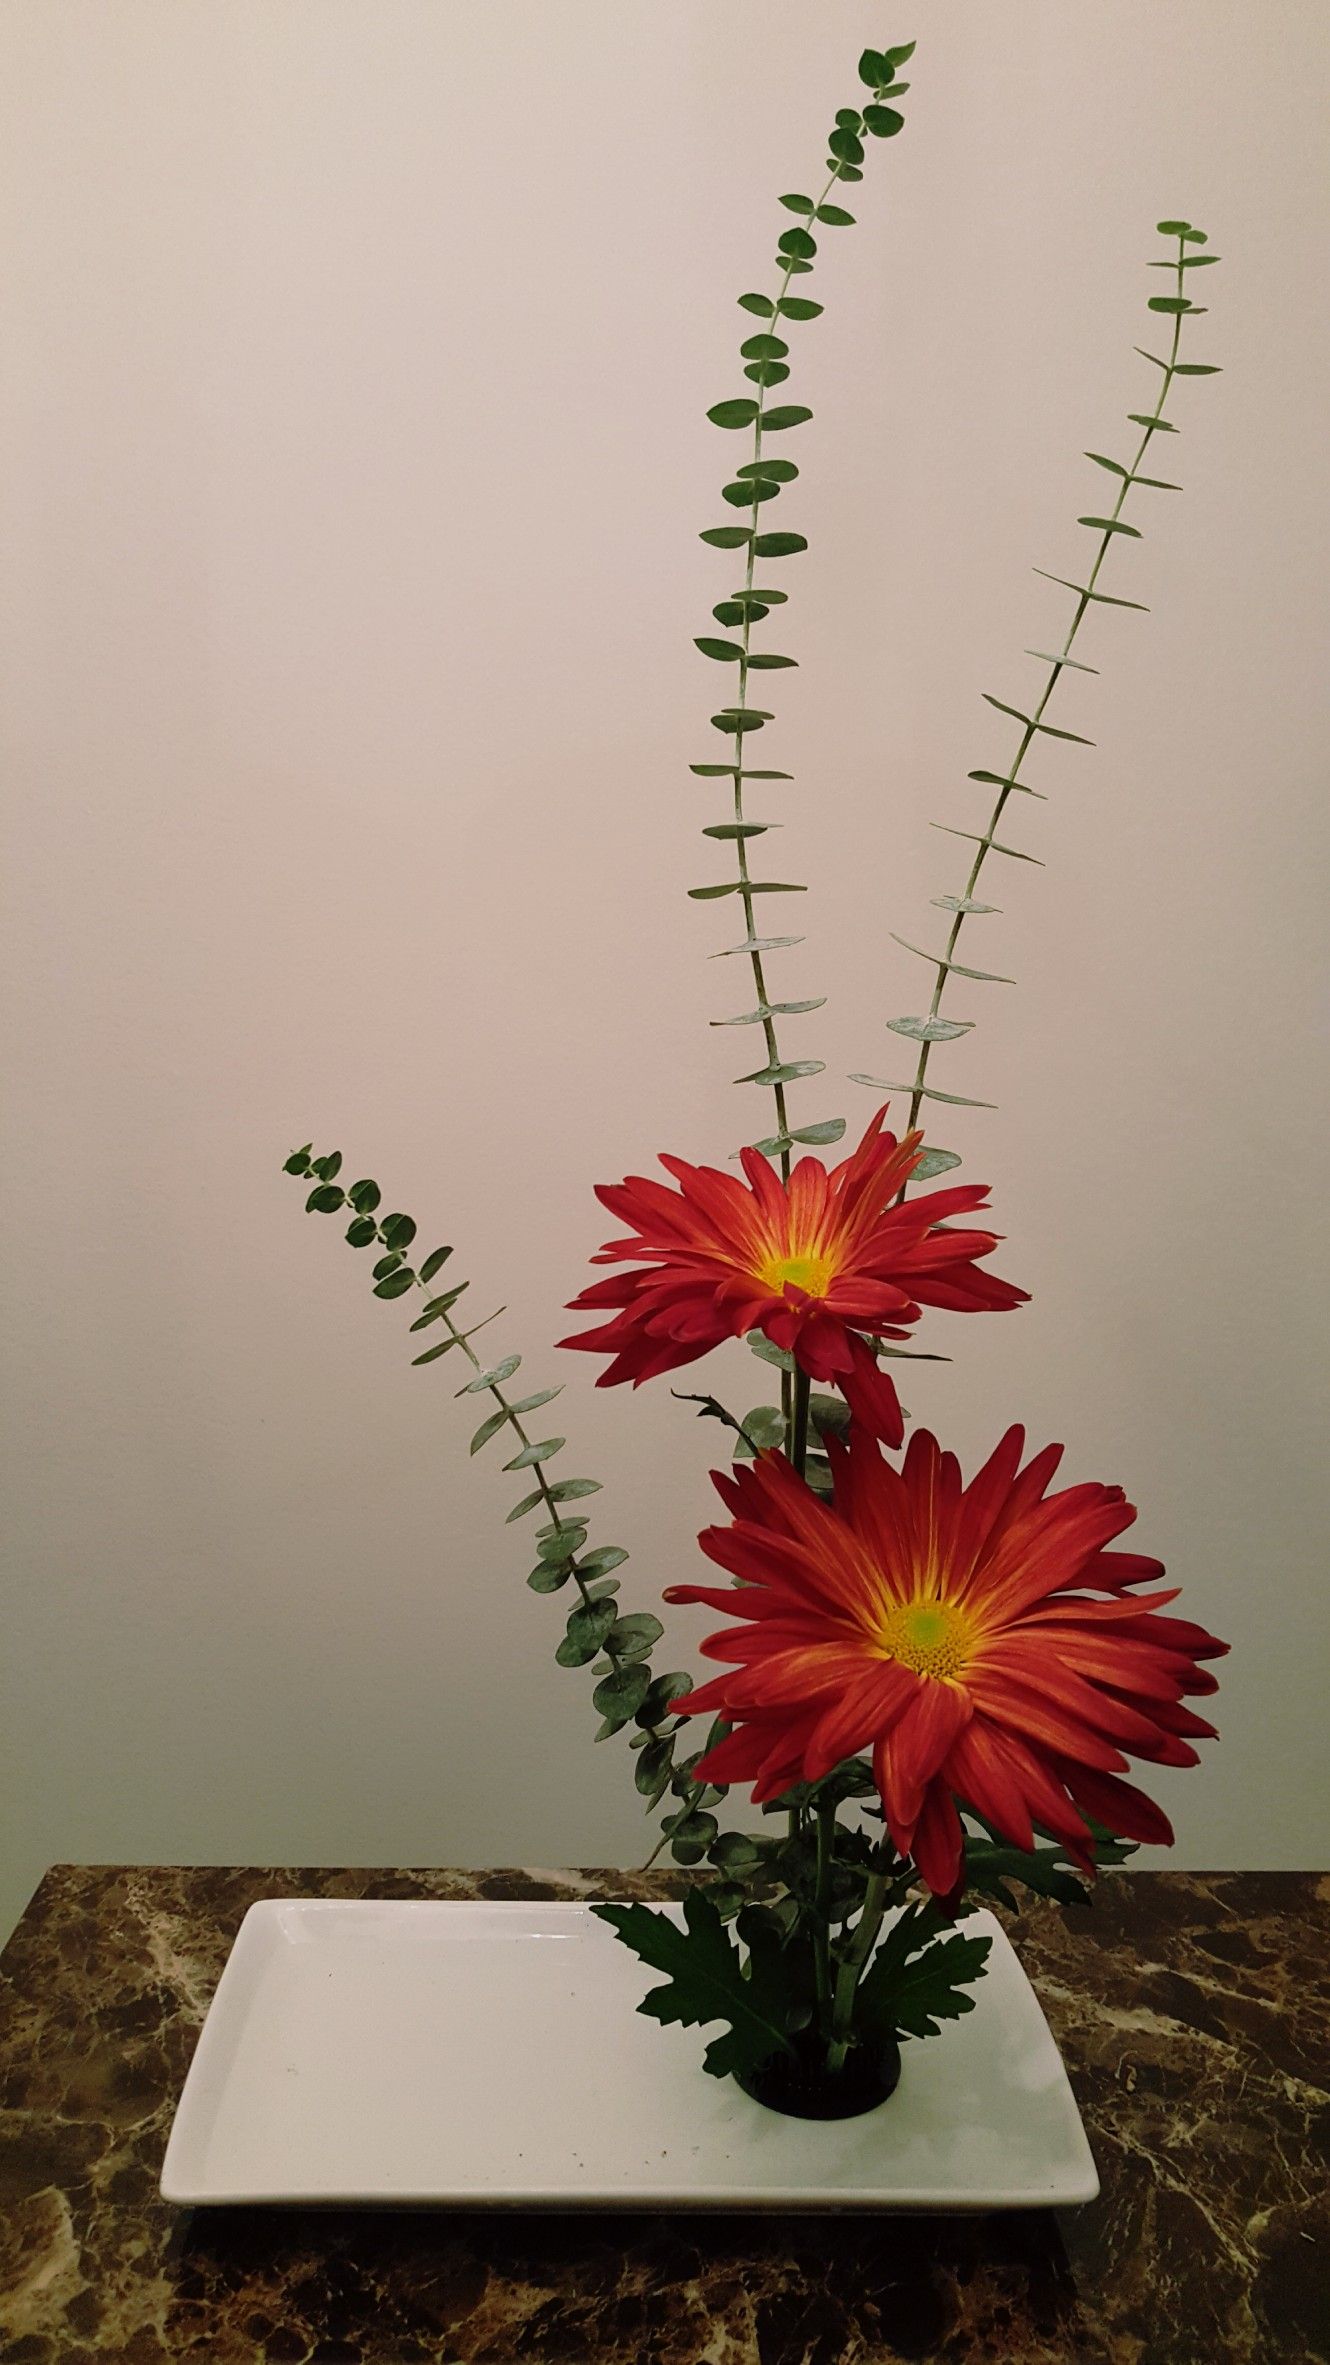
x=355, y=361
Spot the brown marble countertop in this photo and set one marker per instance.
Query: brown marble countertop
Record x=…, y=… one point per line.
x=1193, y=2011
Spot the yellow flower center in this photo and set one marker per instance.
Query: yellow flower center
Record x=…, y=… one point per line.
x=930, y=1637
x=809, y=1273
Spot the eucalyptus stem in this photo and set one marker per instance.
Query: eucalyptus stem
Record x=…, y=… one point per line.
x=825, y=1813
x=1012, y=783
x=798, y=1426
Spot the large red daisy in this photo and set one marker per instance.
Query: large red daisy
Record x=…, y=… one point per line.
x=814, y=1262
x=979, y=1639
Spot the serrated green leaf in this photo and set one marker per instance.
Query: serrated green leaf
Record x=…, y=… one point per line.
x=916, y=1980
x=707, y=1981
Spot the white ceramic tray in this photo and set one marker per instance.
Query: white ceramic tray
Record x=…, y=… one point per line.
x=475, y=2055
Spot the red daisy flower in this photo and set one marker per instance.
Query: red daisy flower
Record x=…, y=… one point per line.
x=980, y=1640
x=814, y=1263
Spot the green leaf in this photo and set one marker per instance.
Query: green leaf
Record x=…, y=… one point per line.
x=603, y=1559
x=844, y=172
x=1197, y=369
x=934, y=1162
x=779, y=545
x=962, y=903
x=328, y=1167
x=762, y=305
x=764, y=348
x=493, y=1378
x=533, y=1403
x=916, y=1980
x=756, y=944
x=1110, y=525
x=845, y=145
x=571, y=1490
x=784, y=1071
x=835, y=217
x=432, y=1354
x=588, y=1626
x=1176, y=304
x=799, y=308
x=489, y=1427
x=325, y=1199
x=725, y=652
x=787, y=414
x=1159, y=426
x=725, y=537
x=954, y=1100
x=761, y=1345
x=651, y=1774
x=796, y=242
x=740, y=718
x=396, y=1284
x=660, y=1696
x=883, y=122
x=362, y=1231
x=635, y=1636
x=398, y=1231
x=706, y=1980
x=562, y=1543
x=772, y=1010
x=900, y=53
x=434, y=1263
x=549, y=1576
x=733, y=611
x=298, y=1162
x=1176, y=230
x=386, y=1264
x=745, y=493
x=733, y=414
x=776, y=471
x=1083, y=591
x=531, y=1455
x=364, y=1197
x=618, y=1696
x=438, y=1306
x=799, y=205
x=873, y=68
x=931, y=1030
x=738, y=829
x=830, y=1129
x=767, y=373
x=1029, y=722
x=976, y=838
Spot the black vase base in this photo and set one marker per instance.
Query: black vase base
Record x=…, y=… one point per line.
x=800, y=2086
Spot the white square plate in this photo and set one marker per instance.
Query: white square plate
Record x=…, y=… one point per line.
x=491, y=2055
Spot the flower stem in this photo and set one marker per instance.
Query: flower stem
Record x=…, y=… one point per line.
x=798, y=1430
x=851, y=1970
x=825, y=1811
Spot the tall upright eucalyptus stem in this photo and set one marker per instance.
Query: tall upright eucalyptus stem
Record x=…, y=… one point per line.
x=933, y=1028
x=757, y=481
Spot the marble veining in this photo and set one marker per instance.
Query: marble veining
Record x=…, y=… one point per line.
x=1193, y=2011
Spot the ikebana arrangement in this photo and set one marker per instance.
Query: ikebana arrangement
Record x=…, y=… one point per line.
x=933, y=1687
